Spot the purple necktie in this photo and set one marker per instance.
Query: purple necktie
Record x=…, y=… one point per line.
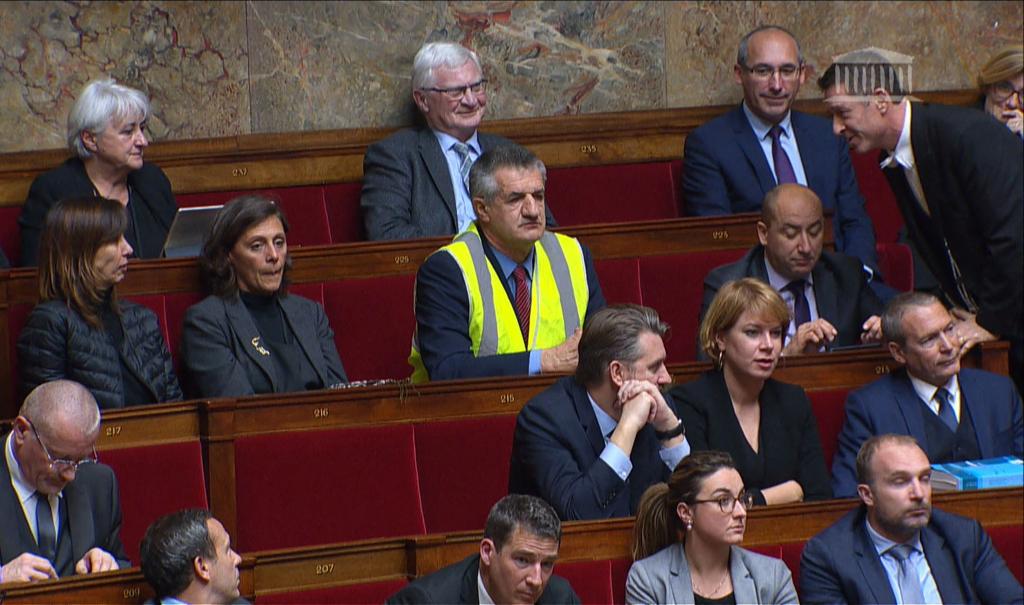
x=801, y=308
x=783, y=167
x=522, y=302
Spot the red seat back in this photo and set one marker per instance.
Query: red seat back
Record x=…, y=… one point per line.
x=303, y=206
x=371, y=592
x=176, y=304
x=620, y=571
x=829, y=409
x=463, y=466
x=880, y=202
x=613, y=193
x=343, y=212
x=791, y=552
x=673, y=286
x=181, y=484
x=1007, y=540
x=17, y=315
x=10, y=233
x=897, y=265
x=373, y=321
x=592, y=580
x=320, y=487
x=620, y=280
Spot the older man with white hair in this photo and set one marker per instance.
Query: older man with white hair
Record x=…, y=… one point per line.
x=416, y=181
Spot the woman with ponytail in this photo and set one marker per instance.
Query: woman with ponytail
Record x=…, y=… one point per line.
x=685, y=542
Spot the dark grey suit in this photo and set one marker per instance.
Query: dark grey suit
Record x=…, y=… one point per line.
x=841, y=290
x=93, y=517
x=221, y=360
x=407, y=189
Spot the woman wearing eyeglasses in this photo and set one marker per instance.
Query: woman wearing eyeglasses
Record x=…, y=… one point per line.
x=80, y=330
x=766, y=425
x=1001, y=81
x=686, y=541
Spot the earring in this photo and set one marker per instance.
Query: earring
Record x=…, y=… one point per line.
x=721, y=354
x=689, y=525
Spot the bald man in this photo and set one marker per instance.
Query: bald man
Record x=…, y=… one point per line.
x=59, y=509
x=827, y=293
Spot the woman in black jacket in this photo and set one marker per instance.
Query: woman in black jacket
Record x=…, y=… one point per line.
x=80, y=330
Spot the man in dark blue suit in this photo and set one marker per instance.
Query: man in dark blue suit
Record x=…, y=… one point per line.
x=592, y=443
x=955, y=414
x=734, y=160
x=895, y=548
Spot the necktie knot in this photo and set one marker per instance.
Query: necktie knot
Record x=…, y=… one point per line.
x=461, y=148
x=776, y=132
x=796, y=287
x=901, y=552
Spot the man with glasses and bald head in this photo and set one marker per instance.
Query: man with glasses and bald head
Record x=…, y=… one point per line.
x=733, y=161
x=416, y=182
x=59, y=508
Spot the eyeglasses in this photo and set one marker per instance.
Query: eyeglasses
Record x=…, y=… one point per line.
x=62, y=464
x=727, y=503
x=1002, y=91
x=765, y=72
x=456, y=93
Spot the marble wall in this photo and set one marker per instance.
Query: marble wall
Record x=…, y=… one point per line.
x=225, y=68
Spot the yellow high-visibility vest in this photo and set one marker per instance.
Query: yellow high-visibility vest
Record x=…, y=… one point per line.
x=559, y=294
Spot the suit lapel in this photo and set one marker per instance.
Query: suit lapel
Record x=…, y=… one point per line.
x=756, y=264
x=941, y=559
x=826, y=292
x=249, y=338
x=910, y=406
x=79, y=521
x=680, y=589
x=875, y=578
x=587, y=417
x=752, y=149
x=809, y=157
x=305, y=333
x=470, y=592
x=927, y=164
x=437, y=166
x=970, y=397
x=742, y=582
x=12, y=543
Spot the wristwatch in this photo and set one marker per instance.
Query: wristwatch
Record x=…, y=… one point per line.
x=671, y=433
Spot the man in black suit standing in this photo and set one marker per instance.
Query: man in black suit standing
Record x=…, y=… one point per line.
x=957, y=176
x=416, y=181
x=59, y=509
x=827, y=292
x=514, y=565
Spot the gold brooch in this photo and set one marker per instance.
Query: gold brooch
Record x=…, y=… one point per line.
x=259, y=348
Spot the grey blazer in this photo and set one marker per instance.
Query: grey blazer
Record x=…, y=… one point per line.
x=221, y=360
x=665, y=578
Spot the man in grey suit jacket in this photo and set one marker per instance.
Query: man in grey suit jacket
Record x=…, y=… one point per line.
x=840, y=307
x=59, y=509
x=415, y=182
x=514, y=565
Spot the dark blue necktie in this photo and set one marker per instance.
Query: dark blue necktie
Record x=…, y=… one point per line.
x=783, y=167
x=801, y=308
x=47, y=534
x=946, y=413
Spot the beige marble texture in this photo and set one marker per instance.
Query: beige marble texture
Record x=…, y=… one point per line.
x=226, y=68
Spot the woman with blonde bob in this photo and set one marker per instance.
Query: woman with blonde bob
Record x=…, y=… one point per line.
x=686, y=541
x=80, y=331
x=1001, y=82
x=766, y=425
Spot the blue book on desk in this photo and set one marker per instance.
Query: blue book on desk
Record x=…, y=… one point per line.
x=1005, y=471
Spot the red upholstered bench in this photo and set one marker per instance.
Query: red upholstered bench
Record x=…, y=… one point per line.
x=828, y=407
x=620, y=571
x=320, y=487
x=880, y=202
x=592, y=581
x=620, y=280
x=343, y=212
x=673, y=285
x=613, y=193
x=303, y=206
x=181, y=484
x=791, y=552
x=373, y=592
x=10, y=233
x=463, y=469
x=373, y=321
x=897, y=264
x=1007, y=540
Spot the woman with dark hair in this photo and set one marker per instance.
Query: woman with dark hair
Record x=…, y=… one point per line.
x=767, y=426
x=250, y=336
x=80, y=330
x=686, y=541
x=107, y=133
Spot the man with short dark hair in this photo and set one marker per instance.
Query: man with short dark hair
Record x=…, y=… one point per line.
x=59, y=508
x=514, y=565
x=507, y=296
x=415, y=182
x=735, y=159
x=895, y=549
x=958, y=177
x=592, y=443
x=954, y=413
x=187, y=558
x=827, y=293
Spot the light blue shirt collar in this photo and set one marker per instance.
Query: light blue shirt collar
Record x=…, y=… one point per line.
x=883, y=544
x=762, y=127
x=508, y=265
x=606, y=422
x=446, y=140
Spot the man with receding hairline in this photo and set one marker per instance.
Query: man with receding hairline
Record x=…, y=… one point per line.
x=827, y=293
x=59, y=508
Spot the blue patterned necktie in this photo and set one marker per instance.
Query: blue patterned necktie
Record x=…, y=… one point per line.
x=910, y=585
x=467, y=162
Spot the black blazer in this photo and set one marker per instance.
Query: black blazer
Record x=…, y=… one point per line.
x=153, y=206
x=456, y=584
x=220, y=354
x=94, y=515
x=971, y=169
x=788, y=437
x=556, y=455
x=407, y=189
x=841, y=290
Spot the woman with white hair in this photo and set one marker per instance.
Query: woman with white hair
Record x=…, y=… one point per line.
x=107, y=133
